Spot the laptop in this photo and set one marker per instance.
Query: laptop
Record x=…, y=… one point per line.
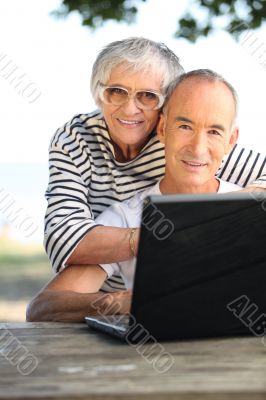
x=201, y=269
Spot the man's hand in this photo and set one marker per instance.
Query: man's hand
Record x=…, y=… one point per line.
x=112, y=303
x=253, y=189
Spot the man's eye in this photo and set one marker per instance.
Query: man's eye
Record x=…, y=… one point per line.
x=215, y=132
x=185, y=127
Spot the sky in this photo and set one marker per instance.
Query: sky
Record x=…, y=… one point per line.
x=55, y=59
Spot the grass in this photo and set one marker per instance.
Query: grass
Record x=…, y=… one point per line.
x=24, y=270
x=29, y=264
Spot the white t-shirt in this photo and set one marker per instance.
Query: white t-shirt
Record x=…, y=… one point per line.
x=127, y=214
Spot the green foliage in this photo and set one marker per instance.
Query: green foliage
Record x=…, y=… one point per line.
x=95, y=13
x=254, y=15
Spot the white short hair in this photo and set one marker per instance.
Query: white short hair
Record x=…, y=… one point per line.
x=141, y=55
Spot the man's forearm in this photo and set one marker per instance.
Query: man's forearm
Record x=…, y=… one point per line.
x=61, y=306
x=103, y=244
x=69, y=306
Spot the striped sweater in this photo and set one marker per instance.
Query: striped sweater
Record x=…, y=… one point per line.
x=85, y=178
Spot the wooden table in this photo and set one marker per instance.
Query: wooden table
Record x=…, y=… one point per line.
x=72, y=362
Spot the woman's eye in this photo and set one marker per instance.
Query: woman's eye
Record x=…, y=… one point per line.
x=149, y=95
x=117, y=90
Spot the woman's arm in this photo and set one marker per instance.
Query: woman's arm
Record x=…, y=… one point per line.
x=71, y=234
x=104, y=244
x=244, y=167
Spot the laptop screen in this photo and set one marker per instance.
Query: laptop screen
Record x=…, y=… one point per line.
x=197, y=254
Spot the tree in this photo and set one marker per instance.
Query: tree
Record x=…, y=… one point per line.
x=95, y=13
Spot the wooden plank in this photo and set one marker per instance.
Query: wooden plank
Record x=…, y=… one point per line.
x=76, y=363
x=41, y=325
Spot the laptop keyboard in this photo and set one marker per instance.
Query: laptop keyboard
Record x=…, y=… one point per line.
x=117, y=320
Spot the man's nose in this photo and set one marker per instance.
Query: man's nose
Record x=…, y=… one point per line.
x=199, y=143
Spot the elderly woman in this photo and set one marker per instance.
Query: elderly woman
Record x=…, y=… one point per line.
x=109, y=155
x=101, y=157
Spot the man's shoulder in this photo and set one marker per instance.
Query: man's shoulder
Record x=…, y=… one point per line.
x=118, y=215
x=140, y=196
x=132, y=207
x=128, y=212
x=225, y=187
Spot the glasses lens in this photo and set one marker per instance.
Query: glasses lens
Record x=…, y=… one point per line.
x=148, y=100
x=115, y=95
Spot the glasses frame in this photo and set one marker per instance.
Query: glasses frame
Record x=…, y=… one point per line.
x=131, y=95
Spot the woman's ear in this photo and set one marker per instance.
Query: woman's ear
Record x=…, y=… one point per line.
x=161, y=128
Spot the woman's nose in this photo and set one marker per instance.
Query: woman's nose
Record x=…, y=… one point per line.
x=130, y=106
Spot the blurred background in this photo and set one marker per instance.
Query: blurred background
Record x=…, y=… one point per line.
x=46, y=55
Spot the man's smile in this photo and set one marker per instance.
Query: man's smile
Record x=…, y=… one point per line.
x=194, y=164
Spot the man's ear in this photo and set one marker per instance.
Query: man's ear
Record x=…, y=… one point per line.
x=233, y=139
x=161, y=128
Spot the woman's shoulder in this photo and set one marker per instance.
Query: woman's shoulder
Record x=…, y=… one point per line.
x=80, y=124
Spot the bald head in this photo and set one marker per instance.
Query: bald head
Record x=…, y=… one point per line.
x=197, y=77
x=199, y=99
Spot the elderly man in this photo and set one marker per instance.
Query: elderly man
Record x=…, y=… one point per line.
x=198, y=129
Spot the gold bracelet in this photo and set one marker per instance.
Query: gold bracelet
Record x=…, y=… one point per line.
x=131, y=242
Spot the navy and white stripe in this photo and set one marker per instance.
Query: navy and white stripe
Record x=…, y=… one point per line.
x=85, y=178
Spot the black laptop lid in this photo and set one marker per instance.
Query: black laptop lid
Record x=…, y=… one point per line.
x=197, y=254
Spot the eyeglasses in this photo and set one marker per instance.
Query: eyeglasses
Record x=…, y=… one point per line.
x=144, y=99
